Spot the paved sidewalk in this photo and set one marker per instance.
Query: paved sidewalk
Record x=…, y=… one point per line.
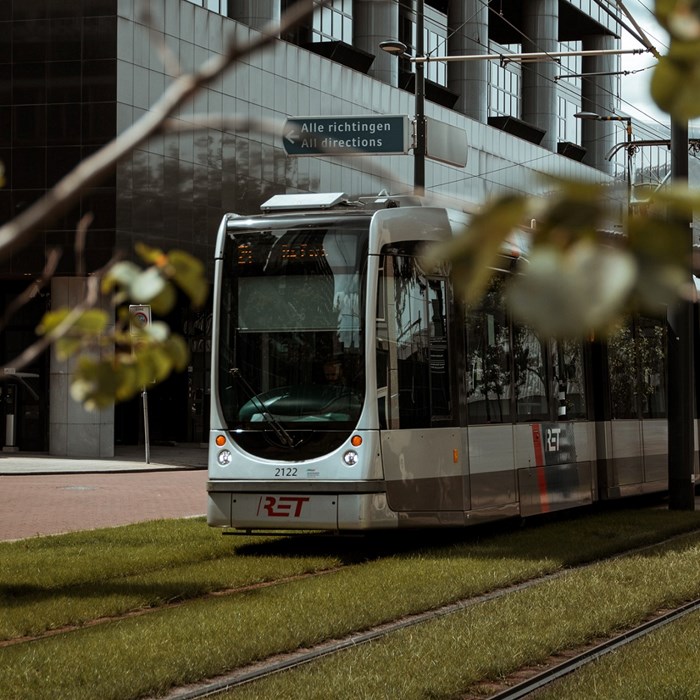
x=44, y=495
x=127, y=459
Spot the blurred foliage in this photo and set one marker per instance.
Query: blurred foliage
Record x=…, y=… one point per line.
x=116, y=360
x=579, y=273
x=575, y=277
x=675, y=85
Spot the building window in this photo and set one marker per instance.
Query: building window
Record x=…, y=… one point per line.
x=218, y=6
x=330, y=23
x=569, y=89
x=333, y=23
x=434, y=41
x=504, y=80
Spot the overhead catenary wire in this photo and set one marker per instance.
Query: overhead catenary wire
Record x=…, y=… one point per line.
x=639, y=36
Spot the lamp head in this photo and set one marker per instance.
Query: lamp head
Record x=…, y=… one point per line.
x=395, y=48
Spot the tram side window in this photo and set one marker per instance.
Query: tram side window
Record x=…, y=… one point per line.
x=569, y=388
x=637, y=366
x=530, y=381
x=510, y=366
x=652, y=335
x=412, y=344
x=488, y=342
x=413, y=361
x=622, y=368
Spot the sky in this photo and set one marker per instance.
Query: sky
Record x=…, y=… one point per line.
x=636, y=96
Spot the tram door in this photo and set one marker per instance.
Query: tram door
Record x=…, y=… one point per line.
x=423, y=460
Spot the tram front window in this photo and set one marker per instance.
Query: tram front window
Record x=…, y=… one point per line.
x=291, y=327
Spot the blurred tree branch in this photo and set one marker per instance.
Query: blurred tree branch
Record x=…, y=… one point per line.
x=21, y=230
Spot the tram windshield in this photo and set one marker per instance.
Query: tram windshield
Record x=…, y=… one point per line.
x=291, y=346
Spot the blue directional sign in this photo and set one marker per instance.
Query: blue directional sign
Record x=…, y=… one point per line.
x=312, y=136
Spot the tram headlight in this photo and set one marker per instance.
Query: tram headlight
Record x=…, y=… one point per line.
x=350, y=458
x=224, y=458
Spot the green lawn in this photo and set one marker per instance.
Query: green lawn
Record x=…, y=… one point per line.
x=173, y=560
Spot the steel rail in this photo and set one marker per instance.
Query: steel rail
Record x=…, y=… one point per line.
x=555, y=673
x=283, y=662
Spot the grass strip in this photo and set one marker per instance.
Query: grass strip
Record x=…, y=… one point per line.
x=149, y=654
x=489, y=641
x=50, y=582
x=663, y=665
x=78, y=558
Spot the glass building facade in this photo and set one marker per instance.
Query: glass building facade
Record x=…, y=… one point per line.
x=75, y=74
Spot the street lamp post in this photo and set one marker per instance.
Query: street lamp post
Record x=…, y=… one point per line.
x=397, y=48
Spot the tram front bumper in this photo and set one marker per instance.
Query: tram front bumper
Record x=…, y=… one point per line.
x=293, y=508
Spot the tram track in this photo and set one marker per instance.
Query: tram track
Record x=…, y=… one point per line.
x=558, y=670
x=300, y=657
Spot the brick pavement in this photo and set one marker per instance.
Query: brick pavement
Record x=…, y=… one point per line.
x=43, y=504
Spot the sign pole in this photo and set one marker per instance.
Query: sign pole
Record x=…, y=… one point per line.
x=419, y=147
x=141, y=319
x=146, y=439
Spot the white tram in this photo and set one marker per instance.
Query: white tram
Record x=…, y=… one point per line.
x=351, y=391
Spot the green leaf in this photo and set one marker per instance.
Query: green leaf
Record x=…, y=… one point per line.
x=158, y=331
x=94, y=383
x=680, y=17
x=675, y=86
x=147, y=285
x=127, y=381
x=189, y=276
x=51, y=320
x=161, y=364
x=121, y=274
x=178, y=351
x=163, y=304
x=145, y=373
x=67, y=347
x=662, y=248
x=569, y=293
x=474, y=252
x=92, y=321
x=153, y=256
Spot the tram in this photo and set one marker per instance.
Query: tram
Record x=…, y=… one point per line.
x=352, y=391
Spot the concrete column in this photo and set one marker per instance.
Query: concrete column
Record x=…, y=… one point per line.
x=374, y=21
x=468, y=32
x=598, y=96
x=254, y=13
x=539, y=89
x=73, y=431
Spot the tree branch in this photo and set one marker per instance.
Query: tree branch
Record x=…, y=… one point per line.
x=21, y=230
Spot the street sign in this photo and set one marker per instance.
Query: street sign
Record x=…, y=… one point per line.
x=445, y=143
x=140, y=317
x=351, y=135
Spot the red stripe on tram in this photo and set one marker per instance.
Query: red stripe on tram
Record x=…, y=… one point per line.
x=539, y=465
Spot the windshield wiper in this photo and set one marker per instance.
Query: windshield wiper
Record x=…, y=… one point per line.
x=283, y=435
